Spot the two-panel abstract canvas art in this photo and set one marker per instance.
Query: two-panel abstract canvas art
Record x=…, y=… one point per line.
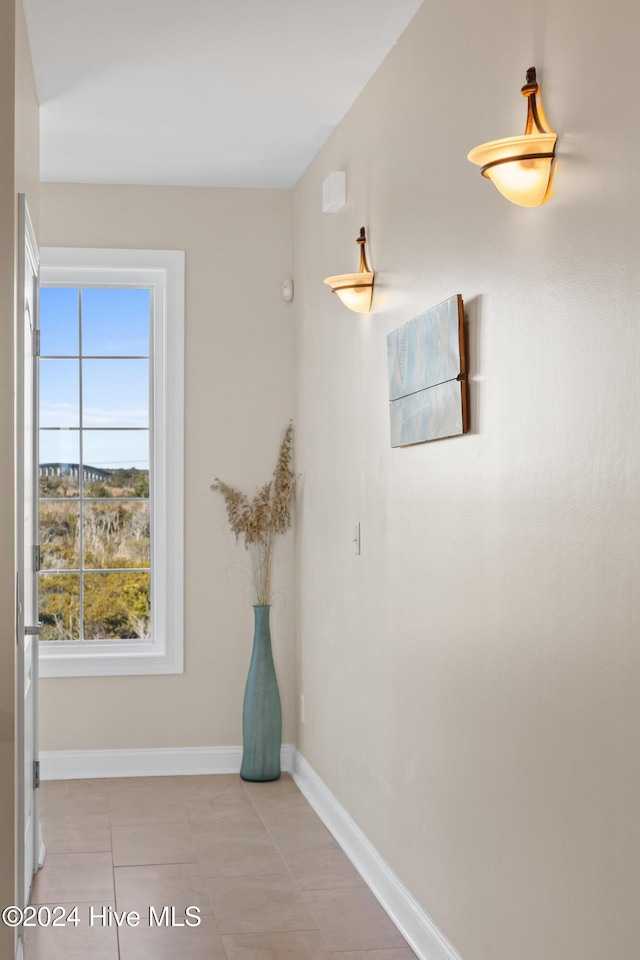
x=428, y=376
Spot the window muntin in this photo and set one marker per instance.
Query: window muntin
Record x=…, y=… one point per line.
x=95, y=522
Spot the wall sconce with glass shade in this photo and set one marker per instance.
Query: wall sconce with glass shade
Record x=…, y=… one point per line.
x=522, y=167
x=355, y=289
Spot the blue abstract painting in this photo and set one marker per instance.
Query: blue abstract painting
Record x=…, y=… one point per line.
x=427, y=376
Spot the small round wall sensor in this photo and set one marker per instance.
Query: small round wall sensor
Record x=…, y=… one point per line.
x=287, y=291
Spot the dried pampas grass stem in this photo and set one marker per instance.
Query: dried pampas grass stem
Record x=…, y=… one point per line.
x=257, y=522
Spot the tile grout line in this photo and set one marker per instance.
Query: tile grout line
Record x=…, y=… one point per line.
x=337, y=890
x=204, y=880
x=273, y=839
x=275, y=843
x=311, y=889
x=113, y=872
x=325, y=941
x=241, y=933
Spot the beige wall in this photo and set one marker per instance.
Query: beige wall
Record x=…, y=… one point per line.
x=471, y=680
x=239, y=398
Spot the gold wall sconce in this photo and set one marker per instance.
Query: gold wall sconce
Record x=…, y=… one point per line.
x=522, y=167
x=355, y=289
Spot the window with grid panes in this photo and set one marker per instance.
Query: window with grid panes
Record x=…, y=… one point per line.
x=108, y=460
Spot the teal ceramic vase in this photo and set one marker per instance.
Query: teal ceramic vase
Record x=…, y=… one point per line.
x=261, y=712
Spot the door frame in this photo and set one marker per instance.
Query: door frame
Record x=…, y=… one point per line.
x=28, y=248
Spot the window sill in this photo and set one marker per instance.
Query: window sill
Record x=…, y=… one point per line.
x=108, y=659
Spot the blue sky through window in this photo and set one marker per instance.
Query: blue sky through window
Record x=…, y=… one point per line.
x=59, y=324
x=115, y=323
x=59, y=393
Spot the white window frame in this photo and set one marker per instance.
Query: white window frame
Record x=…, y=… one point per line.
x=163, y=272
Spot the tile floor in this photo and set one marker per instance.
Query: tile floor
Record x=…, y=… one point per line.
x=270, y=881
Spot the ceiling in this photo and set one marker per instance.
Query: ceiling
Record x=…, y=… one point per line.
x=234, y=93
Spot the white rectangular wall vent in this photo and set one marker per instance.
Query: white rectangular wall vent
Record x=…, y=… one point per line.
x=334, y=192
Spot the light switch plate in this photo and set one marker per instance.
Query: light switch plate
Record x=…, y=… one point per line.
x=356, y=538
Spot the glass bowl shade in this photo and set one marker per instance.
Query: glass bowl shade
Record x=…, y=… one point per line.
x=522, y=181
x=354, y=289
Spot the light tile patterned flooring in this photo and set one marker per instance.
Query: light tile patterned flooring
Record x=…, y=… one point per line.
x=269, y=879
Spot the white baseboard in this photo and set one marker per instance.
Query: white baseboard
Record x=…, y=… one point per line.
x=416, y=926
x=42, y=850
x=153, y=762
